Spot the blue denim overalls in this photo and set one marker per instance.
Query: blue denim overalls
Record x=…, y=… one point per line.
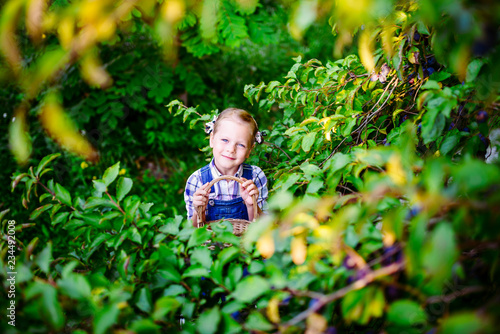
x=219, y=209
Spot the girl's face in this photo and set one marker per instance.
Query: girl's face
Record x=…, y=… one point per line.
x=231, y=145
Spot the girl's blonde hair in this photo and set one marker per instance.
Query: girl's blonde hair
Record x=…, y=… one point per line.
x=240, y=115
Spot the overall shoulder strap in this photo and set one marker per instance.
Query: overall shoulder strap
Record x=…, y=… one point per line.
x=206, y=176
x=247, y=172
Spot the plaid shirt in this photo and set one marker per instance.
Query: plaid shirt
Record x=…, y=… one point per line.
x=225, y=190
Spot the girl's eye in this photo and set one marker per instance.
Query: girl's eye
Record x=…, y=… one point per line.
x=224, y=140
x=241, y=145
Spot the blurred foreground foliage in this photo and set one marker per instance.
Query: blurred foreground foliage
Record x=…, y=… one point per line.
x=383, y=210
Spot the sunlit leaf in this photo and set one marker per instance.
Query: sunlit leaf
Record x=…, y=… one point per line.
x=34, y=17
x=299, y=249
x=173, y=11
x=62, y=129
x=9, y=16
x=365, y=46
x=93, y=71
x=19, y=140
x=44, y=69
x=265, y=244
x=208, y=23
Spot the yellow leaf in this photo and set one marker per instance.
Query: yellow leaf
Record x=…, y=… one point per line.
x=299, y=249
x=459, y=59
x=62, y=129
x=303, y=217
x=173, y=11
x=9, y=17
x=272, y=310
x=366, y=50
x=328, y=136
x=105, y=28
x=34, y=18
x=66, y=31
x=395, y=170
x=93, y=72
x=389, y=238
x=19, y=141
x=91, y=11
x=316, y=324
x=265, y=244
x=309, y=120
x=387, y=35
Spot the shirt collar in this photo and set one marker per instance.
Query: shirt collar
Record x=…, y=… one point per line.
x=216, y=173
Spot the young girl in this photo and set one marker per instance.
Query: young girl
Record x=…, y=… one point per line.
x=232, y=137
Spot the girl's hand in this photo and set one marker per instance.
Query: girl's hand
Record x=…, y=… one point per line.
x=247, y=190
x=200, y=197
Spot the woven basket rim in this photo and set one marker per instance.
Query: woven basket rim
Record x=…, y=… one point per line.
x=201, y=218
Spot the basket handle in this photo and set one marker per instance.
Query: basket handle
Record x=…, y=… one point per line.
x=201, y=210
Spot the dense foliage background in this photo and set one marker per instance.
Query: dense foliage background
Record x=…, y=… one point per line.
x=380, y=119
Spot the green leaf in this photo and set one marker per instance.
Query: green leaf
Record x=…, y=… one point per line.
x=123, y=187
x=62, y=194
x=196, y=271
x=228, y=254
x=258, y=322
x=473, y=69
x=164, y=306
x=75, y=286
x=199, y=236
x=143, y=300
x=433, y=123
x=145, y=326
x=93, y=202
x=105, y=318
x=49, y=308
x=310, y=170
x=272, y=85
x=465, y=323
x=202, y=256
x=60, y=217
x=44, y=258
x=170, y=273
x=99, y=185
x=449, y=144
x=406, y=313
x=251, y=288
x=290, y=180
x=232, y=27
x=45, y=161
x=19, y=139
x=337, y=162
x=439, y=76
x=308, y=141
x=431, y=84
x=174, y=290
x=315, y=185
x=52, y=310
x=39, y=210
x=111, y=173
x=438, y=256
x=134, y=235
x=208, y=321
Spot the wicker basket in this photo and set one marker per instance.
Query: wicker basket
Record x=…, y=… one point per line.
x=239, y=225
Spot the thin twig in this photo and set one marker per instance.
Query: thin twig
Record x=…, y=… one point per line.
x=278, y=148
x=116, y=204
x=454, y=295
x=357, y=285
x=333, y=152
x=52, y=193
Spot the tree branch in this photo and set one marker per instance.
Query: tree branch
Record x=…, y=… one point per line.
x=357, y=285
